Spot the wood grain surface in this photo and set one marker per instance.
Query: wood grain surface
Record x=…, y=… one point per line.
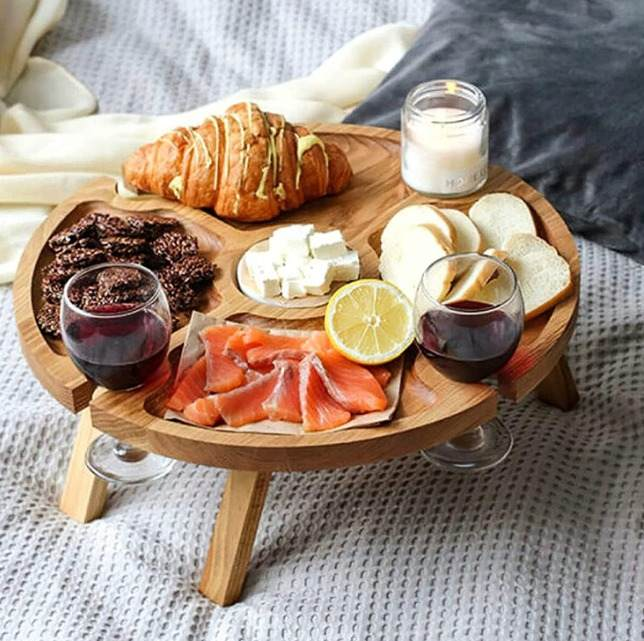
x=84, y=494
x=233, y=536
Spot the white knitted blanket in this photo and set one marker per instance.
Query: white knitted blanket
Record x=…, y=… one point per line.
x=548, y=546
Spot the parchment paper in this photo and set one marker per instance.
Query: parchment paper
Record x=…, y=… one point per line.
x=193, y=348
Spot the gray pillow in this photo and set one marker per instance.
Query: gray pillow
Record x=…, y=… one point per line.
x=565, y=88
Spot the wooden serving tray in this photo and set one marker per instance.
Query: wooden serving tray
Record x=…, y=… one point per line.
x=432, y=408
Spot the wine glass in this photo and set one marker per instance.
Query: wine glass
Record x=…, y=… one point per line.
x=116, y=326
x=468, y=335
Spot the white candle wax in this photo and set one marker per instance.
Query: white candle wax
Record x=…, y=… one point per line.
x=443, y=157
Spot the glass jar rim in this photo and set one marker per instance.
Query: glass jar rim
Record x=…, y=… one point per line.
x=467, y=91
x=471, y=312
x=131, y=310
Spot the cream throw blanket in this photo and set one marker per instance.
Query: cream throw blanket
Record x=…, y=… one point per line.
x=50, y=145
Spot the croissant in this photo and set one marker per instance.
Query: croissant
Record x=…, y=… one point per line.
x=248, y=165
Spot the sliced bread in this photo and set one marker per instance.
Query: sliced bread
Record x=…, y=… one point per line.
x=419, y=215
x=495, y=291
x=475, y=278
x=519, y=245
x=543, y=275
x=468, y=238
x=404, y=259
x=499, y=216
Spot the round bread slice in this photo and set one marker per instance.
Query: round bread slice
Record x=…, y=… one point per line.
x=468, y=238
x=475, y=278
x=419, y=215
x=544, y=276
x=499, y=216
x=519, y=245
x=404, y=260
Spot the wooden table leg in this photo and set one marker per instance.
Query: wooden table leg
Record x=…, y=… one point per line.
x=233, y=536
x=84, y=494
x=559, y=388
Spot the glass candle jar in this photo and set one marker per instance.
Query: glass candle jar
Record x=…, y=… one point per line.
x=444, y=127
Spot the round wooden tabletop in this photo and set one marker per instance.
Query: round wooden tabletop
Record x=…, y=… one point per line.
x=432, y=408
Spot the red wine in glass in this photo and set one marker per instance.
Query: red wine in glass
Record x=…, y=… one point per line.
x=116, y=351
x=469, y=334
x=468, y=347
x=116, y=326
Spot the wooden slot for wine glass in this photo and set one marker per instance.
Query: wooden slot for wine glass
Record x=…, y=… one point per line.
x=432, y=408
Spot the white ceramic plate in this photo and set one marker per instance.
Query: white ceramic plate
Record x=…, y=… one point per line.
x=248, y=287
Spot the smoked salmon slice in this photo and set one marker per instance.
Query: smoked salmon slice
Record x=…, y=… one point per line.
x=245, y=404
x=274, y=347
x=264, y=357
x=190, y=387
x=350, y=384
x=252, y=375
x=381, y=374
x=256, y=375
x=317, y=342
x=284, y=402
x=259, y=348
x=223, y=374
x=202, y=411
x=319, y=411
x=217, y=336
x=242, y=340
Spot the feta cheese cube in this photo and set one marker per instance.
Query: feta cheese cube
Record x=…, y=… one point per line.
x=347, y=267
x=329, y=244
x=289, y=241
x=317, y=277
x=293, y=288
x=289, y=271
x=263, y=273
x=293, y=267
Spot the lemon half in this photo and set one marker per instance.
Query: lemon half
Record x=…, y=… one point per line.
x=369, y=321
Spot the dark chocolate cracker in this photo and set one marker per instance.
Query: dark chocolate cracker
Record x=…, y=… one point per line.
x=118, y=279
x=155, y=241
x=84, y=228
x=90, y=298
x=181, y=295
x=48, y=319
x=67, y=263
x=107, y=226
x=154, y=225
x=181, y=298
x=124, y=246
x=79, y=257
x=56, y=272
x=195, y=271
x=52, y=290
x=81, y=243
x=80, y=291
x=174, y=245
x=138, y=259
x=93, y=298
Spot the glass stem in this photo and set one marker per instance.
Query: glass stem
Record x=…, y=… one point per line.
x=470, y=440
x=127, y=453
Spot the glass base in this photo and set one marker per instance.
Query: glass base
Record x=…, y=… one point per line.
x=117, y=462
x=478, y=450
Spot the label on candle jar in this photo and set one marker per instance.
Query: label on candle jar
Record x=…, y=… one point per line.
x=444, y=158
